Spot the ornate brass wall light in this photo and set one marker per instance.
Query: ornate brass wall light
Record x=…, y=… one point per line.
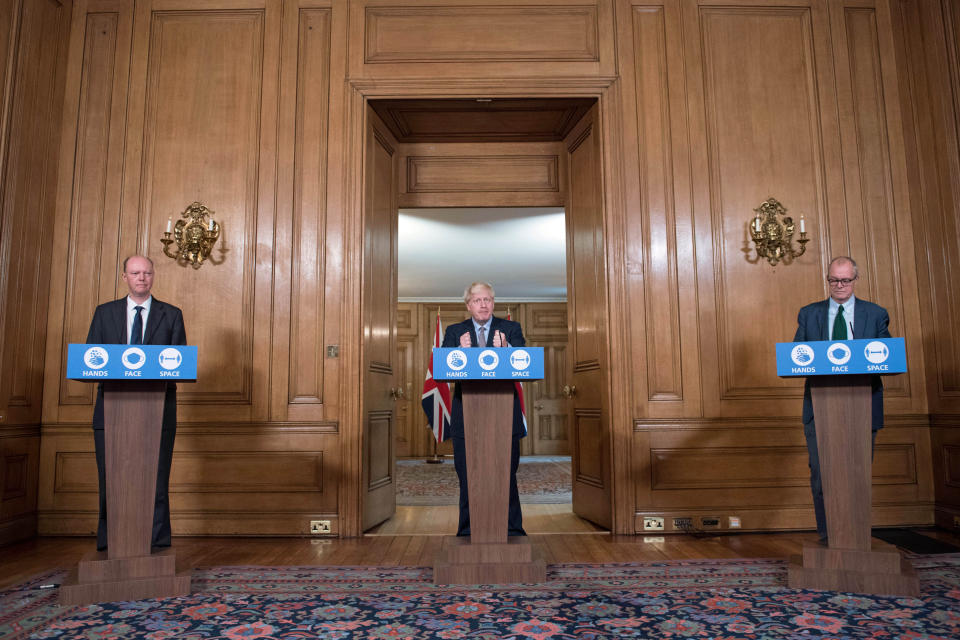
x=772, y=233
x=195, y=235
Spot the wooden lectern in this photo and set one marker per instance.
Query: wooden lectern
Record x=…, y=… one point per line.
x=488, y=556
x=853, y=561
x=133, y=415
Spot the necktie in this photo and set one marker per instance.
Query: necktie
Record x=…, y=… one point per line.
x=481, y=340
x=839, y=326
x=136, y=332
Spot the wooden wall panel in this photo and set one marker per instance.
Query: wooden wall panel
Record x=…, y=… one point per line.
x=32, y=90
x=481, y=174
x=489, y=39
x=660, y=255
x=246, y=105
x=757, y=470
x=95, y=200
x=503, y=173
x=204, y=86
x=236, y=479
x=928, y=53
x=33, y=41
x=481, y=34
x=929, y=47
x=879, y=216
x=762, y=140
x=173, y=102
x=304, y=356
x=19, y=476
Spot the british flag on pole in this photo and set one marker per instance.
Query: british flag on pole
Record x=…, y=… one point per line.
x=436, y=395
x=523, y=405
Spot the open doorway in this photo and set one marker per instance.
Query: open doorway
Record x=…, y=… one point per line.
x=460, y=160
x=522, y=252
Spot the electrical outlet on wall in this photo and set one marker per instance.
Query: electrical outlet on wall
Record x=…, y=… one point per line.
x=319, y=527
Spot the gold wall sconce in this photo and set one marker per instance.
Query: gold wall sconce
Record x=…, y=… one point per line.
x=195, y=234
x=772, y=233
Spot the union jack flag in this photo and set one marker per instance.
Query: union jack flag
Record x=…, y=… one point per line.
x=436, y=396
x=523, y=405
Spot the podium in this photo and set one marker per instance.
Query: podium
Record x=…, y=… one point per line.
x=840, y=374
x=487, y=380
x=135, y=379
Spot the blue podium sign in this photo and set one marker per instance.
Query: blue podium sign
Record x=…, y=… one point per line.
x=485, y=363
x=841, y=357
x=131, y=362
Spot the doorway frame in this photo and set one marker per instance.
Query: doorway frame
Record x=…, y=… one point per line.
x=606, y=91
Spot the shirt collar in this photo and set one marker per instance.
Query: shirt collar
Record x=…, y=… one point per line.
x=847, y=306
x=485, y=325
x=131, y=305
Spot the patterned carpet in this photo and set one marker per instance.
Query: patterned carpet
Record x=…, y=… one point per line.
x=685, y=599
x=540, y=479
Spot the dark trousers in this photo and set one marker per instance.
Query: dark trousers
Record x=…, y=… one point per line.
x=161, y=506
x=816, y=484
x=514, y=516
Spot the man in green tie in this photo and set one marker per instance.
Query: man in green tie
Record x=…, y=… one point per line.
x=842, y=316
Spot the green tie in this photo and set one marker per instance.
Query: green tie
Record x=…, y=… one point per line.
x=840, y=326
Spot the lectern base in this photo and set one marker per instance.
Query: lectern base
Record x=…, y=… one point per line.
x=102, y=579
x=880, y=571
x=512, y=562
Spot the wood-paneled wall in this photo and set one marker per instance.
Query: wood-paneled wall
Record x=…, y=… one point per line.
x=714, y=125
x=928, y=43
x=226, y=103
x=840, y=109
x=33, y=38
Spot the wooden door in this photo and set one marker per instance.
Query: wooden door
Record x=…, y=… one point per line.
x=379, y=304
x=547, y=407
x=586, y=305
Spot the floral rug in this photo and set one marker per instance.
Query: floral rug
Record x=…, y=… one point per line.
x=540, y=479
x=680, y=599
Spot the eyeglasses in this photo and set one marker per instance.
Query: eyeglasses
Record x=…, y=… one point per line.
x=840, y=282
x=481, y=300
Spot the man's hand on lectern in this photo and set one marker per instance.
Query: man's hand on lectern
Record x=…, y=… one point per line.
x=465, y=339
x=500, y=340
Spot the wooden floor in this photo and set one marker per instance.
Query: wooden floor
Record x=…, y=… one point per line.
x=557, y=535
x=441, y=521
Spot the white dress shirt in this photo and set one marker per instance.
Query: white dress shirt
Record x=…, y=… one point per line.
x=132, y=313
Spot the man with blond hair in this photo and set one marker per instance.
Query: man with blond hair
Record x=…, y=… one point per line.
x=483, y=329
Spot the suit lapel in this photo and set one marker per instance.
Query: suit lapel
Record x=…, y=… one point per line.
x=859, y=320
x=118, y=315
x=823, y=316
x=494, y=327
x=153, y=320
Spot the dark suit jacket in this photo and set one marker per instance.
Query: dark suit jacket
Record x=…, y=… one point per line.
x=869, y=321
x=451, y=338
x=164, y=326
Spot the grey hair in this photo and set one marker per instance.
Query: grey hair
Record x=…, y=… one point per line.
x=473, y=285
x=853, y=263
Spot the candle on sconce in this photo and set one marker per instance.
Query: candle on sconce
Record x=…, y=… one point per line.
x=756, y=222
x=803, y=227
x=169, y=224
x=211, y=224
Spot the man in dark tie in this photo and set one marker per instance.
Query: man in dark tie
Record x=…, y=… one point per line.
x=139, y=318
x=842, y=316
x=483, y=329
